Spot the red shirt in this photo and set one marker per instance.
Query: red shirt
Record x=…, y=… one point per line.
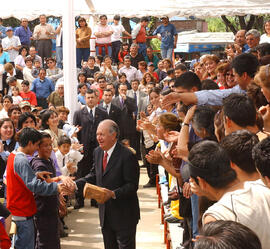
x=5, y=242
x=20, y=200
x=30, y=97
x=141, y=37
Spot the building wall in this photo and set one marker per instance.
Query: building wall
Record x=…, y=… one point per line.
x=186, y=25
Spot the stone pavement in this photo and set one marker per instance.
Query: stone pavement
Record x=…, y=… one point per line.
x=84, y=230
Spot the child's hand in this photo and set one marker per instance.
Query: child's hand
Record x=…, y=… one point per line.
x=71, y=168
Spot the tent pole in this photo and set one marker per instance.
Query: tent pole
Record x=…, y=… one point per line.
x=69, y=58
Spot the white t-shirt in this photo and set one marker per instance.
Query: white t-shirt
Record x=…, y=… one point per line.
x=117, y=32
x=264, y=38
x=249, y=206
x=14, y=41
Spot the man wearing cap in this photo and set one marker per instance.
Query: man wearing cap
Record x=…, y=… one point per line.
x=25, y=106
x=118, y=29
x=11, y=44
x=167, y=34
x=56, y=98
x=43, y=34
x=24, y=33
x=139, y=35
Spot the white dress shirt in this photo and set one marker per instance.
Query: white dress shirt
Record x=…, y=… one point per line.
x=93, y=110
x=109, y=107
x=110, y=151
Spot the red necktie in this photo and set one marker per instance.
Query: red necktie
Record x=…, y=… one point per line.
x=105, y=160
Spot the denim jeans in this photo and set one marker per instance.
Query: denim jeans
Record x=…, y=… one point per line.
x=103, y=51
x=166, y=53
x=195, y=214
x=59, y=57
x=82, y=54
x=116, y=45
x=25, y=237
x=142, y=49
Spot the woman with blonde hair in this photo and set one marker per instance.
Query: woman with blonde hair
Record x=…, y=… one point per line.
x=210, y=63
x=147, y=78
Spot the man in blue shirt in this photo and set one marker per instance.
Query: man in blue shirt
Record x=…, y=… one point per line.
x=168, y=35
x=2, y=30
x=24, y=33
x=42, y=87
x=244, y=69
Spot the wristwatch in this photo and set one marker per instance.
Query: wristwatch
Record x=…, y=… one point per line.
x=183, y=124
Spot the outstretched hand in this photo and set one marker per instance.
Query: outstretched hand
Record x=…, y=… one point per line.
x=154, y=157
x=170, y=99
x=171, y=136
x=43, y=175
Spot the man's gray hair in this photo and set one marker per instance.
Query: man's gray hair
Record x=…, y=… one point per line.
x=253, y=32
x=134, y=45
x=114, y=129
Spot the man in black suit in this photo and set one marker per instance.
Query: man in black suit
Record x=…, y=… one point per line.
x=127, y=123
x=113, y=111
x=88, y=118
x=115, y=169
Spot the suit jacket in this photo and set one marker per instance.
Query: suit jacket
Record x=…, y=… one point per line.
x=121, y=176
x=141, y=95
x=114, y=113
x=87, y=135
x=127, y=123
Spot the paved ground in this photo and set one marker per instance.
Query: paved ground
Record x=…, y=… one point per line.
x=84, y=230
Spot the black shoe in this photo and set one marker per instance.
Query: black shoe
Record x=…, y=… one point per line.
x=63, y=234
x=149, y=185
x=172, y=219
x=78, y=205
x=65, y=227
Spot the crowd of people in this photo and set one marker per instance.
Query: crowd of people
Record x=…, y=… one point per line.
x=203, y=128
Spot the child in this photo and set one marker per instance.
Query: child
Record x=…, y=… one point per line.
x=47, y=216
x=28, y=95
x=81, y=96
x=21, y=184
x=123, y=52
x=17, y=99
x=67, y=158
x=35, y=70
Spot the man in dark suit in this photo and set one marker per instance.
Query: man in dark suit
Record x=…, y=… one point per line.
x=127, y=123
x=88, y=118
x=113, y=111
x=115, y=169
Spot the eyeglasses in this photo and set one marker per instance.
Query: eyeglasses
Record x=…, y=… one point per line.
x=229, y=74
x=102, y=81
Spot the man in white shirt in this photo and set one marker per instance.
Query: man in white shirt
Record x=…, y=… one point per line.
x=213, y=176
x=131, y=72
x=118, y=29
x=103, y=33
x=137, y=95
x=11, y=44
x=43, y=34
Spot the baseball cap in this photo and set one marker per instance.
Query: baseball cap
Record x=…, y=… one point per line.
x=24, y=104
x=9, y=29
x=150, y=64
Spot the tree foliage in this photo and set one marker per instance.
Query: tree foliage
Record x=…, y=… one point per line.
x=233, y=24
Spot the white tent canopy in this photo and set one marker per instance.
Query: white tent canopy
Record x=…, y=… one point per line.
x=199, y=8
